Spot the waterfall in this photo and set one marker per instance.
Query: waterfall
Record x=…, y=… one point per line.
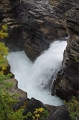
x=35, y=78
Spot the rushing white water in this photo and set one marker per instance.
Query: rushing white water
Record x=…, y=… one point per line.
x=34, y=77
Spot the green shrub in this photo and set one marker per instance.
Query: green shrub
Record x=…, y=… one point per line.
x=6, y=99
x=38, y=114
x=73, y=108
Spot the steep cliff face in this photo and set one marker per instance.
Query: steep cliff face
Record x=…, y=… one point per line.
x=5, y=9
x=33, y=25
x=7, y=16
x=40, y=26
x=67, y=83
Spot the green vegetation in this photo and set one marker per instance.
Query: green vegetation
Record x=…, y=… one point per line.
x=73, y=108
x=4, y=31
x=6, y=99
x=76, y=59
x=3, y=49
x=38, y=114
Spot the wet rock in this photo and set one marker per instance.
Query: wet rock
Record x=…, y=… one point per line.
x=35, y=24
x=67, y=83
x=55, y=112
x=31, y=51
x=32, y=105
x=63, y=87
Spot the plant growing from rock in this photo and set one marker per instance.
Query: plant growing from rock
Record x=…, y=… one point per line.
x=73, y=108
x=7, y=100
x=38, y=114
x=3, y=31
x=76, y=59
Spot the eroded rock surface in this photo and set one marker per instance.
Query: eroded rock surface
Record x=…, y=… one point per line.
x=15, y=90
x=55, y=112
x=67, y=83
x=41, y=26
x=59, y=113
x=33, y=25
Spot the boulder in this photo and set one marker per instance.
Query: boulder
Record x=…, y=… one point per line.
x=55, y=112
x=32, y=105
x=59, y=113
x=32, y=51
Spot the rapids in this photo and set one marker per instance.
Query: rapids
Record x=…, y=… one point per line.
x=36, y=78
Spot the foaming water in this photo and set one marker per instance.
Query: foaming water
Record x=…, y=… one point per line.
x=35, y=78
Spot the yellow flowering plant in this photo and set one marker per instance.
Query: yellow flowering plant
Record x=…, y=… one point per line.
x=38, y=114
x=7, y=100
x=3, y=31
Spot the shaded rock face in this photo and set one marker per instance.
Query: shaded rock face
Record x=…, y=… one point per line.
x=40, y=27
x=67, y=83
x=32, y=105
x=55, y=112
x=29, y=48
x=32, y=25
x=5, y=9
x=59, y=113
x=63, y=87
x=7, y=16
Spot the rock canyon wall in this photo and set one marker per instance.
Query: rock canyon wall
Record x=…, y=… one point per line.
x=35, y=24
x=67, y=83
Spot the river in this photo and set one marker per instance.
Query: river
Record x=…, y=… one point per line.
x=35, y=77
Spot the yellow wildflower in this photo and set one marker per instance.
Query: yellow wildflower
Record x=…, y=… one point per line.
x=3, y=68
x=41, y=109
x=33, y=117
x=5, y=27
x=35, y=112
x=37, y=115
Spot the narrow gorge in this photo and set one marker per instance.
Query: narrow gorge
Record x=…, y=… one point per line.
x=34, y=25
